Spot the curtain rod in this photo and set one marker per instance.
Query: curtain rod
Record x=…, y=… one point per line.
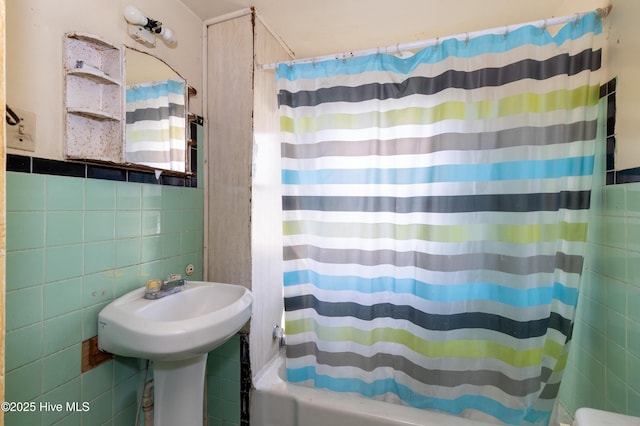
x=398, y=48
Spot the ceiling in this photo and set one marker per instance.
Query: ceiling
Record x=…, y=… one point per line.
x=314, y=28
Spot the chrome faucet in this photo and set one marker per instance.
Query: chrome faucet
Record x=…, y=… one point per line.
x=156, y=289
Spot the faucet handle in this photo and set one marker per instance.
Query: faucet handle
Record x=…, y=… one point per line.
x=153, y=286
x=174, y=277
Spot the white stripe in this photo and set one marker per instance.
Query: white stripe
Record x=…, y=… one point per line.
x=163, y=124
x=480, y=217
x=156, y=146
x=520, y=186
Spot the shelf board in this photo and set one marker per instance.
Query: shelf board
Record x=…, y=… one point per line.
x=95, y=115
x=97, y=76
x=92, y=39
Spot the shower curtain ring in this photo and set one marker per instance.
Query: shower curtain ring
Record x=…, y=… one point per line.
x=466, y=40
x=506, y=33
x=544, y=26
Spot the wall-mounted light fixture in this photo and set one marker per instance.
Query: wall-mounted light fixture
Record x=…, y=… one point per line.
x=145, y=30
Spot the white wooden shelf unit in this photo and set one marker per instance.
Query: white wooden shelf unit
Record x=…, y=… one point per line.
x=94, y=98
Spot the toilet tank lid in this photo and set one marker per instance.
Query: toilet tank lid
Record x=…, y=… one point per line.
x=593, y=417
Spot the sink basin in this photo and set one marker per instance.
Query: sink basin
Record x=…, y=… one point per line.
x=184, y=325
x=176, y=332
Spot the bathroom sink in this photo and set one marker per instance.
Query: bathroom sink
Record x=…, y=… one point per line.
x=176, y=331
x=181, y=326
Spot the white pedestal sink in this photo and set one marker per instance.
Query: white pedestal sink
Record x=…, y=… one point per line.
x=176, y=332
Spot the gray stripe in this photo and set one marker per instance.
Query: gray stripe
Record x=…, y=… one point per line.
x=444, y=263
x=523, y=136
x=552, y=201
x=562, y=64
x=155, y=114
x=433, y=377
x=550, y=391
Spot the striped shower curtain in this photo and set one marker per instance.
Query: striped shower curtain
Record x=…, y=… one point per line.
x=435, y=219
x=155, y=126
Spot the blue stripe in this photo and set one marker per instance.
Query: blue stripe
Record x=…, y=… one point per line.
x=566, y=295
x=141, y=93
x=380, y=387
x=486, y=44
x=523, y=298
x=510, y=170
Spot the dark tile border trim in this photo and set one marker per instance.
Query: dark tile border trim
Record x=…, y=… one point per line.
x=18, y=163
x=625, y=176
x=58, y=168
x=614, y=177
x=26, y=164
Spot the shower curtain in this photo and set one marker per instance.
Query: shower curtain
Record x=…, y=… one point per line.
x=435, y=218
x=155, y=126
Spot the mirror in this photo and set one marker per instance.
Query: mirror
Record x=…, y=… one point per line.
x=155, y=109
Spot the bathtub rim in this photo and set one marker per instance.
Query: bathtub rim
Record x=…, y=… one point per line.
x=270, y=380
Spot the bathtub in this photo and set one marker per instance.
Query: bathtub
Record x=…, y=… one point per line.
x=274, y=402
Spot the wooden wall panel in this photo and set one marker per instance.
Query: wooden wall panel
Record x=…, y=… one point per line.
x=229, y=150
x=244, y=239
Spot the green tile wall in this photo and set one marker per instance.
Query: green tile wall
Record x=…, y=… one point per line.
x=72, y=246
x=223, y=384
x=604, y=364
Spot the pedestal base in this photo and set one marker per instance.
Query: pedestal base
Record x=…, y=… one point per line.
x=178, y=392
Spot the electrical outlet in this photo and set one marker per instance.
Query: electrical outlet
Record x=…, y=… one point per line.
x=22, y=135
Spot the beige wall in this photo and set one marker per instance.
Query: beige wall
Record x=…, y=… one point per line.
x=35, y=31
x=622, y=38
x=621, y=44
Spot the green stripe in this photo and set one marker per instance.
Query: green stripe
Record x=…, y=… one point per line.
x=149, y=135
x=452, y=349
x=515, y=234
x=553, y=349
x=561, y=361
x=458, y=110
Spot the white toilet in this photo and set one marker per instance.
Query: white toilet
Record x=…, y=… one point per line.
x=593, y=417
